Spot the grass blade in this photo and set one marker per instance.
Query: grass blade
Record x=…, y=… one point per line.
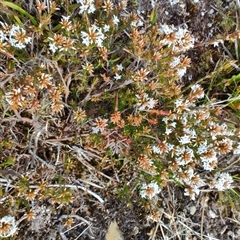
x=20, y=10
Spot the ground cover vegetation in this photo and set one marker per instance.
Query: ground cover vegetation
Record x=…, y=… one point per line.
x=106, y=103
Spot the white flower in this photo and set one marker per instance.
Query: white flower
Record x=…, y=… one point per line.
x=117, y=77
x=181, y=33
x=209, y=165
x=100, y=37
x=166, y=29
x=7, y=226
x=151, y=103
x=86, y=39
x=18, y=37
x=149, y=190
x=137, y=23
x=202, y=148
x=185, y=139
x=223, y=181
x=66, y=23
x=190, y=132
x=3, y=37
x=100, y=125
x=99, y=42
x=94, y=35
x=185, y=155
x=178, y=103
x=184, y=119
x=15, y=96
x=197, y=88
x=173, y=124
x=168, y=131
x=165, y=120
x=155, y=149
x=175, y=62
x=181, y=72
x=200, y=115
x=216, y=43
x=15, y=29
x=237, y=149
x=224, y=146
x=53, y=47
x=191, y=191
x=145, y=102
x=119, y=67
x=65, y=18
x=173, y=2
x=188, y=174
x=170, y=147
x=106, y=28
x=115, y=20
x=153, y=3
x=96, y=130
x=86, y=6
x=182, y=41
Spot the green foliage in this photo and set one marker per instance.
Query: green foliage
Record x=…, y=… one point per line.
x=124, y=193
x=102, y=79
x=10, y=161
x=21, y=11
x=153, y=16
x=230, y=198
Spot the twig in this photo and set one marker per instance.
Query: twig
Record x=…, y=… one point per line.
x=4, y=182
x=155, y=231
x=237, y=28
x=189, y=228
x=163, y=234
x=121, y=85
x=238, y=222
x=227, y=51
x=73, y=187
x=82, y=232
x=90, y=183
x=75, y=216
x=231, y=164
x=172, y=213
x=82, y=154
x=73, y=227
x=62, y=235
x=204, y=204
x=41, y=160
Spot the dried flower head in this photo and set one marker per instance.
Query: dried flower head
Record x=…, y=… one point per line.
x=66, y=23
x=30, y=215
x=79, y=115
x=145, y=163
x=115, y=117
x=44, y=80
x=69, y=222
x=100, y=125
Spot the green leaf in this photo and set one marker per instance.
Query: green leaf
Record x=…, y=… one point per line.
x=235, y=77
x=20, y=10
x=73, y=7
x=56, y=28
x=18, y=20
x=9, y=162
x=153, y=16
